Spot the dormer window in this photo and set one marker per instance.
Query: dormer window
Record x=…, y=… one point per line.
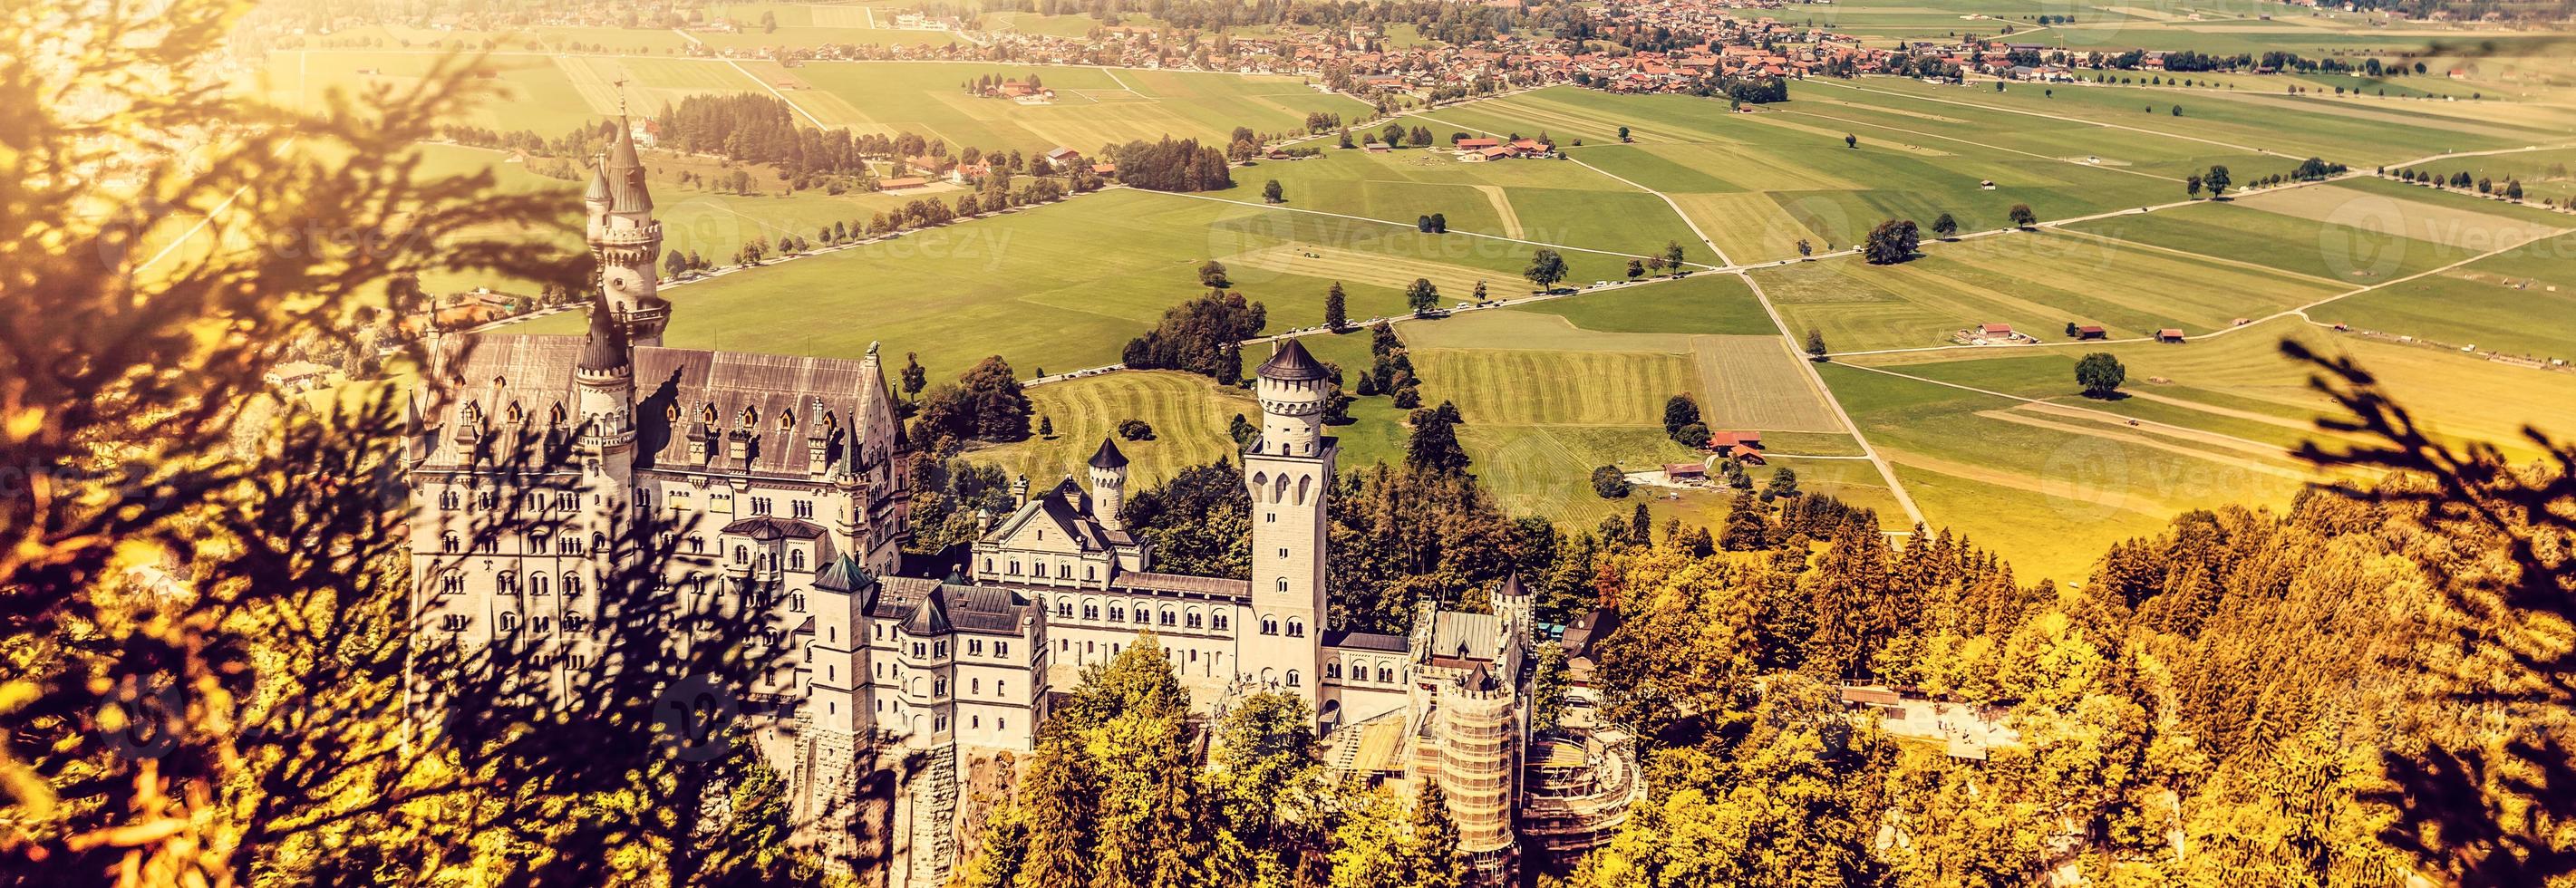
x=787, y=421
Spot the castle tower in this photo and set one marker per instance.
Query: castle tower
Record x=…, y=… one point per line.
x=1289, y=470
x=1108, y=484
x=1479, y=769
x=605, y=379
x=626, y=241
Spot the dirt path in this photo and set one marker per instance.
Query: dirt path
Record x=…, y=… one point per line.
x=1503, y=209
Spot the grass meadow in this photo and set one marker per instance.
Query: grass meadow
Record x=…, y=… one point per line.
x=1093, y=107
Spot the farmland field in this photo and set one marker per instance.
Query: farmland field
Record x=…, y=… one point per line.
x=1066, y=286
x=1993, y=442
x=2036, y=281
x=1093, y=107
x=1188, y=414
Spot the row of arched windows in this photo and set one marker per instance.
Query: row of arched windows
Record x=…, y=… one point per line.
x=1283, y=488
x=1144, y=615
x=1359, y=671
x=1296, y=626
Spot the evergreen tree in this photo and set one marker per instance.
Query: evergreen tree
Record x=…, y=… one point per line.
x=1336, y=316
x=1433, y=446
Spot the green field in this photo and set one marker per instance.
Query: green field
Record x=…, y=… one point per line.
x=2359, y=134
x=2216, y=417
x=1551, y=202
x=1093, y=106
x=1066, y=286
x=2036, y=281
x=2544, y=174
x=1552, y=389
x=2366, y=247
x=1759, y=183
x=2521, y=302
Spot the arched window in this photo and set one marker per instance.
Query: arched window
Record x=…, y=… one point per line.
x=796, y=602
x=1144, y=616
x=1384, y=674
x=1281, y=585
x=507, y=582
x=1170, y=618
x=599, y=542
x=1091, y=611
x=796, y=559
x=1292, y=678
x=447, y=542
x=1296, y=628
x=571, y=584
x=1116, y=612
x=509, y=622
x=452, y=582
x=1333, y=669
x=741, y=553
x=538, y=584
x=697, y=545
x=1269, y=626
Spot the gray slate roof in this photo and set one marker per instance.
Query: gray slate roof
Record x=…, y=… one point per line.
x=536, y=372
x=1464, y=636
x=1364, y=641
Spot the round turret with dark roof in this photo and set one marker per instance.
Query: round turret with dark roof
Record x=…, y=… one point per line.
x=1291, y=363
x=604, y=349
x=1108, y=457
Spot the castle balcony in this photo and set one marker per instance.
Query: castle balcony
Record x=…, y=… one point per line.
x=642, y=235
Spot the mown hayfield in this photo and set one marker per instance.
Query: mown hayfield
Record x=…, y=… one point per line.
x=2044, y=483
x=2239, y=384
x=1094, y=107
x=2357, y=247
x=1554, y=202
x=2468, y=225
x=1716, y=304
x=1759, y=183
x=1188, y=412
x=2036, y=281
x=2522, y=302
x=1884, y=120
x=1528, y=386
x=2295, y=129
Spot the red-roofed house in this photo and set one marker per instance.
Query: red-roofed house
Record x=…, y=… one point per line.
x=2091, y=331
x=1476, y=144
x=2169, y=334
x=1997, y=329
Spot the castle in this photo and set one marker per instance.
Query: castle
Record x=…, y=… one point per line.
x=783, y=474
